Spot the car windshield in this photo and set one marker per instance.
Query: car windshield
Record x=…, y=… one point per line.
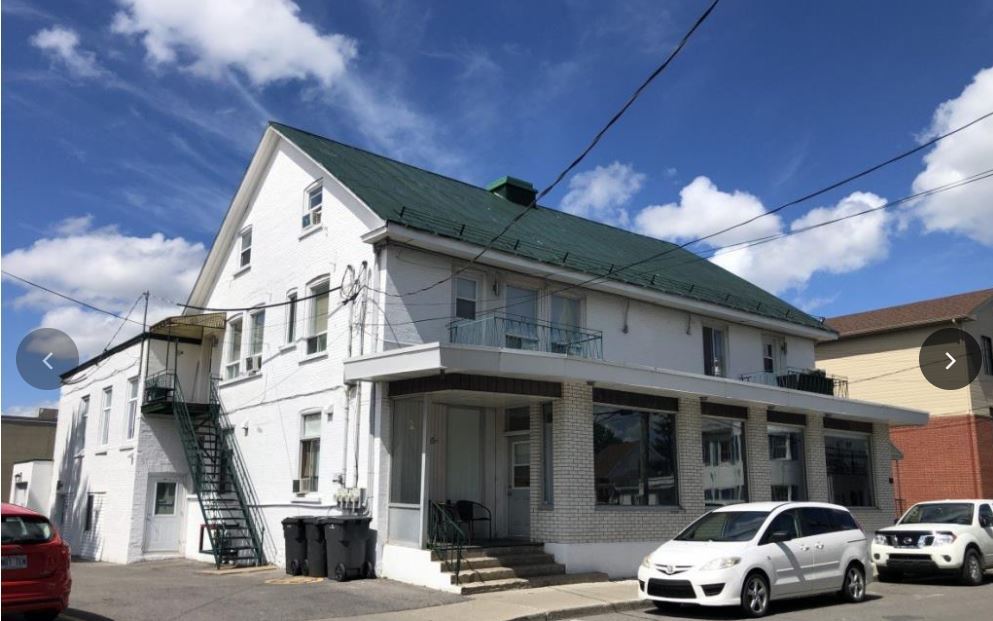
x=724, y=526
x=26, y=529
x=940, y=513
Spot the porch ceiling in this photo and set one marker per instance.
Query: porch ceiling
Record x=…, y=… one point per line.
x=433, y=358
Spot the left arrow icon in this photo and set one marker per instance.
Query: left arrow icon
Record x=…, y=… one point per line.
x=44, y=361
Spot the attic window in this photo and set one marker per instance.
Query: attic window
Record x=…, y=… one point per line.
x=314, y=200
x=246, y=248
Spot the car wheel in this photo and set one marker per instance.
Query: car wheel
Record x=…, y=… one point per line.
x=888, y=575
x=755, y=595
x=972, y=569
x=853, y=589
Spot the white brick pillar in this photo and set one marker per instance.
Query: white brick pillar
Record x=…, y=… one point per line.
x=813, y=448
x=689, y=456
x=757, y=447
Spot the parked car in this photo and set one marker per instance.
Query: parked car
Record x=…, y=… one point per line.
x=750, y=554
x=35, y=571
x=942, y=537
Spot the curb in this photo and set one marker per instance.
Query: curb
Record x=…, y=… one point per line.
x=584, y=611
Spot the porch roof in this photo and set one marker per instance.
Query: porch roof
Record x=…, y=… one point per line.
x=433, y=358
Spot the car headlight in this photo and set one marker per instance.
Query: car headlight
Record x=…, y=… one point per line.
x=721, y=563
x=647, y=561
x=943, y=539
x=882, y=540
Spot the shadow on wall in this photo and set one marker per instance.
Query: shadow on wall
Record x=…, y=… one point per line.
x=69, y=510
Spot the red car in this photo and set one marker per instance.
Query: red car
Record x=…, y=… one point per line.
x=36, y=579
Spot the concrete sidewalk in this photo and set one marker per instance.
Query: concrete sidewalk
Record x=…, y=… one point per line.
x=545, y=603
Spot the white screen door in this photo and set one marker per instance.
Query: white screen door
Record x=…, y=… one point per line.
x=519, y=488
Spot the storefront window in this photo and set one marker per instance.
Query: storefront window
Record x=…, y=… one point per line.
x=634, y=456
x=849, y=469
x=786, y=463
x=723, y=461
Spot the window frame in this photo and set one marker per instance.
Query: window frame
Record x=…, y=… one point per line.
x=256, y=356
x=870, y=465
x=106, y=406
x=674, y=458
x=319, y=347
x=742, y=454
x=709, y=365
x=292, y=299
x=802, y=461
x=83, y=414
x=306, y=440
x=308, y=221
x=232, y=357
x=986, y=344
x=547, y=455
x=134, y=396
x=477, y=286
x=244, y=263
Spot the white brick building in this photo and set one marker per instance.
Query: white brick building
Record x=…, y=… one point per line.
x=591, y=409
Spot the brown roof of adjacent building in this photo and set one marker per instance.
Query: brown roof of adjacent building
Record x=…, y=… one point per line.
x=911, y=315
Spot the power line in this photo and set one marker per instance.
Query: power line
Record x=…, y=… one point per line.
x=121, y=325
x=755, y=242
x=593, y=143
x=69, y=297
x=209, y=309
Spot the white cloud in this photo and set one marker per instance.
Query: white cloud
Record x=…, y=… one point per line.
x=265, y=39
x=782, y=264
x=603, y=193
x=966, y=210
x=105, y=268
x=703, y=209
x=839, y=248
x=62, y=45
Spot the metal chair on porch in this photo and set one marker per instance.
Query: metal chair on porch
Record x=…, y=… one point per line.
x=470, y=512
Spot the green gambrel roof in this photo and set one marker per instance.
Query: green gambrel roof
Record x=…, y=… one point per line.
x=430, y=202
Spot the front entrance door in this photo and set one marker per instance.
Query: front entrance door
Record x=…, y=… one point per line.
x=164, y=515
x=464, y=454
x=519, y=488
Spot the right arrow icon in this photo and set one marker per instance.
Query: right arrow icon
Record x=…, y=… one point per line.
x=950, y=357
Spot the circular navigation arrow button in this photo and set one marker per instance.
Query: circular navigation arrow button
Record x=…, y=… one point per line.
x=43, y=355
x=950, y=359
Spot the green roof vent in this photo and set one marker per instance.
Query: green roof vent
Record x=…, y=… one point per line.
x=514, y=190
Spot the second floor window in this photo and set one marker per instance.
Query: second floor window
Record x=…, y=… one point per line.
x=988, y=354
x=313, y=206
x=310, y=451
x=714, y=351
x=233, y=367
x=317, y=339
x=291, y=317
x=245, y=257
x=465, y=298
x=132, y=407
x=253, y=362
x=84, y=412
x=108, y=399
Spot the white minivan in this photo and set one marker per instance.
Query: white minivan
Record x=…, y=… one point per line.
x=750, y=554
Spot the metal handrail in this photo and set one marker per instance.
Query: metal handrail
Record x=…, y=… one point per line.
x=446, y=537
x=518, y=332
x=806, y=380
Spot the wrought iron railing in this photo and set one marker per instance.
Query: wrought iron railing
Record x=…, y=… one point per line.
x=446, y=538
x=807, y=380
x=159, y=387
x=516, y=332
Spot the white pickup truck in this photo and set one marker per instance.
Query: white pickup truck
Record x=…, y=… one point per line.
x=946, y=536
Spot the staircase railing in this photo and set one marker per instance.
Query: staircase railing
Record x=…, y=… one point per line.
x=446, y=538
x=240, y=479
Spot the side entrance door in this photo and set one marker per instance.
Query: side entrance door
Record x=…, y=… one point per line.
x=519, y=485
x=164, y=515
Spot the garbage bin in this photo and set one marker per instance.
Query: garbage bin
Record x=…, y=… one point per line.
x=316, y=562
x=346, y=537
x=295, y=540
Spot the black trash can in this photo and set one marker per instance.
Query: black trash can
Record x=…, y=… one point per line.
x=346, y=537
x=295, y=540
x=316, y=564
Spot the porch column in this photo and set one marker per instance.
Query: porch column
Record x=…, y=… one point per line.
x=813, y=448
x=757, y=458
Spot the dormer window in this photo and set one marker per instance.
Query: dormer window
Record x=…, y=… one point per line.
x=245, y=257
x=314, y=201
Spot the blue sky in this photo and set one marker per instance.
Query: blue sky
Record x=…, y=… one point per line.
x=127, y=125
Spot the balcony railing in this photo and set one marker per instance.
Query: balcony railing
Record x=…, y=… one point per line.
x=515, y=332
x=807, y=380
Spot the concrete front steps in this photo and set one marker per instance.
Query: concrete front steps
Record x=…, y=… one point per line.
x=511, y=566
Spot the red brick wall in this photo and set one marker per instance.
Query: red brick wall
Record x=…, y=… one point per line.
x=950, y=457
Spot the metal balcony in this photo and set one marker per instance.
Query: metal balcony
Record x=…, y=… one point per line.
x=807, y=380
x=515, y=332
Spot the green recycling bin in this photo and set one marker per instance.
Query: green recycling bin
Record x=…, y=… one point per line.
x=347, y=539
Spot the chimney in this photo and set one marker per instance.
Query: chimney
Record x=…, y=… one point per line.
x=514, y=190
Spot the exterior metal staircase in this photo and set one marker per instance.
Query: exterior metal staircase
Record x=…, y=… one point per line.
x=219, y=475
